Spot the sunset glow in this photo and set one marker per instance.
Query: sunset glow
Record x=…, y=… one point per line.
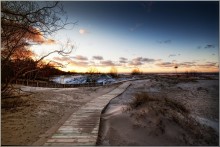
x=152, y=36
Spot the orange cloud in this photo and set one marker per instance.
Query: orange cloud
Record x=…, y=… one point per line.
x=50, y=41
x=38, y=37
x=22, y=53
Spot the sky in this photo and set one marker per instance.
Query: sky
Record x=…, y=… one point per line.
x=152, y=36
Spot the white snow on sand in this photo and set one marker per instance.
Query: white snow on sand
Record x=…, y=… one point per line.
x=70, y=79
x=32, y=89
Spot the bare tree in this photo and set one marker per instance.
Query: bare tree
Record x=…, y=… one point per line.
x=24, y=23
x=92, y=70
x=136, y=71
x=113, y=71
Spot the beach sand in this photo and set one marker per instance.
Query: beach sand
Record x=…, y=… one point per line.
x=180, y=113
x=25, y=119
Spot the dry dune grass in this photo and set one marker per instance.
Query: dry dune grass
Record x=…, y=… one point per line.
x=149, y=109
x=13, y=103
x=143, y=97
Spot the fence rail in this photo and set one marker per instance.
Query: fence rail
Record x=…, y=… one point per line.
x=50, y=84
x=37, y=83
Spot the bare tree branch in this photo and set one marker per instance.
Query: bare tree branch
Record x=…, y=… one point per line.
x=21, y=23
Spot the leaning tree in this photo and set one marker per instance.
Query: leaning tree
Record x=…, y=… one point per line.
x=26, y=23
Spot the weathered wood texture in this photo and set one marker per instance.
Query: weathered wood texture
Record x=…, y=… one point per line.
x=82, y=127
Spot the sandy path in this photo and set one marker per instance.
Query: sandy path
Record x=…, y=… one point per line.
x=31, y=116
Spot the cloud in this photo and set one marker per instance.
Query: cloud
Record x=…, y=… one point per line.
x=79, y=57
x=192, y=63
x=38, y=37
x=107, y=63
x=187, y=64
x=97, y=57
x=209, y=65
x=91, y=62
x=172, y=55
x=82, y=63
x=62, y=59
x=165, y=42
x=70, y=61
x=214, y=63
x=79, y=63
x=158, y=60
x=123, y=59
x=83, y=31
x=140, y=61
x=165, y=64
x=50, y=41
x=148, y=60
x=208, y=46
x=135, y=63
x=20, y=53
x=173, y=64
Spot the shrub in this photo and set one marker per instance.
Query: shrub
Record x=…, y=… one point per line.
x=141, y=98
x=136, y=71
x=113, y=72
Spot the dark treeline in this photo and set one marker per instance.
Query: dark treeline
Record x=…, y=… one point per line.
x=31, y=71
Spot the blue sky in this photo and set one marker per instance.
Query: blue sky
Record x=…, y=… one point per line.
x=153, y=36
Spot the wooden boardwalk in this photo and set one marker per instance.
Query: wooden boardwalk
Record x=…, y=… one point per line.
x=82, y=127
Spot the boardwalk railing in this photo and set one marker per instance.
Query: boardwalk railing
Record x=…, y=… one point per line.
x=37, y=83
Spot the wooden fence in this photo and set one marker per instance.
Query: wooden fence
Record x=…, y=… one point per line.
x=50, y=84
x=37, y=83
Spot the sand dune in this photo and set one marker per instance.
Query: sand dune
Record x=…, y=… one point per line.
x=190, y=117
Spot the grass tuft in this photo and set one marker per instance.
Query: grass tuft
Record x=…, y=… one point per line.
x=176, y=105
x=141, y=98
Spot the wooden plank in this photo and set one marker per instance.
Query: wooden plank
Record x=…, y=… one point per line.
x=82, y=127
